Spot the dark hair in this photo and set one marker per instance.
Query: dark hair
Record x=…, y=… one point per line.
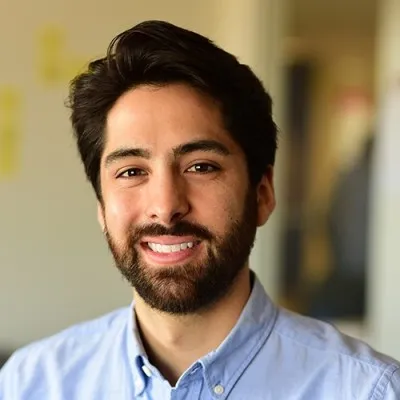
x=158, y=53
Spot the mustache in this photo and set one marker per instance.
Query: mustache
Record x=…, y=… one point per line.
x=181, y=228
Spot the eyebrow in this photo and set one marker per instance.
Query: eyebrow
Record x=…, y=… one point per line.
x=201, y=145
x=126, y=153
x=179, y=151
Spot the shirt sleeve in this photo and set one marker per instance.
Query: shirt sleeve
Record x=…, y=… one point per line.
x=7, y=380
x=393, y=388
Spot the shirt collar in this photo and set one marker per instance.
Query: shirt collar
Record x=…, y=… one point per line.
x=226, y=364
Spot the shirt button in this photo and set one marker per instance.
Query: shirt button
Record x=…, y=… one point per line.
x=218, y=389
x=146, y=370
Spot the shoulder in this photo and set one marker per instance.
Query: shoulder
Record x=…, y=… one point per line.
x=326, y=338
x=62, y=352
x=82, y=335
x=349, y=359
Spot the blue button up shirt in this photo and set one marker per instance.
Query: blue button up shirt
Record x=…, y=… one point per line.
x=270, y=354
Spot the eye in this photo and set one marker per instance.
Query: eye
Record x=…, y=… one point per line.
x=202, y=168
x=131, y=172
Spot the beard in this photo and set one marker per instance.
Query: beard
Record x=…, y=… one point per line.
x=194, y=286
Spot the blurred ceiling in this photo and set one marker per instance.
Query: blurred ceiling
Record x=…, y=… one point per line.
x=332, y=17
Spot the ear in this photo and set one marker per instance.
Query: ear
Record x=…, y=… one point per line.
x=100, y=216
x=265, y=197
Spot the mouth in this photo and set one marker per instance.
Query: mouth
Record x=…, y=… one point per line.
x=172, y=250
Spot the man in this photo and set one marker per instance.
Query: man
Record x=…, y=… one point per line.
x=178, y=141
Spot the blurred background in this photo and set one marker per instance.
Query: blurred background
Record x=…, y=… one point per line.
x=330, y=249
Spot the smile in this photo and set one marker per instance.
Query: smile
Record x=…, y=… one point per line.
x=173, y=248
x=170, y=250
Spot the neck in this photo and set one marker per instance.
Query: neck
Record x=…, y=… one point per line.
x=174, y=343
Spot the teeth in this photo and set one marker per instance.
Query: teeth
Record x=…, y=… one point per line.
x=152, y=246
x=175, y=247
x=163, y=248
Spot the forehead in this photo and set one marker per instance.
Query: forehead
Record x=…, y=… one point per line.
x=163, y=117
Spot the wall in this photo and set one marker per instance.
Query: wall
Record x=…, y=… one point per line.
x=55, y=269
x=54, y=265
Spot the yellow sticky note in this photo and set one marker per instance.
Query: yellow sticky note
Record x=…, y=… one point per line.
x=9, y=131
x=51, y=46
x=57, y=64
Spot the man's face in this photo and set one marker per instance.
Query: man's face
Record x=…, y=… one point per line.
x=178, y=212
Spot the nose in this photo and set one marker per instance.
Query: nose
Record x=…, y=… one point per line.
x=167, y=199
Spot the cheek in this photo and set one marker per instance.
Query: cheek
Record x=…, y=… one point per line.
x=218, y=209
x=121, y=211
